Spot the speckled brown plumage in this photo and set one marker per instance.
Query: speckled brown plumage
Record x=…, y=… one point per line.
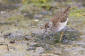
x=60, y=17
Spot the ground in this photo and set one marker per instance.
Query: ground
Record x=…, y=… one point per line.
x=18, y=28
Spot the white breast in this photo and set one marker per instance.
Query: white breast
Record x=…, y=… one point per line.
x=62, y=25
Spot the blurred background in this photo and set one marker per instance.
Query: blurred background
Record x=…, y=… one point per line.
x=19, y=18
x=34, y=12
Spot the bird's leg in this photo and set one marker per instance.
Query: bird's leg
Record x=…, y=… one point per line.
x=61, y=35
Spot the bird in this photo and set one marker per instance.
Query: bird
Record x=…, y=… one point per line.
x=59, y=21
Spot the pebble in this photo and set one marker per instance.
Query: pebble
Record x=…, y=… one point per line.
x=36, y=20
x=38, y=16
x=39, y=50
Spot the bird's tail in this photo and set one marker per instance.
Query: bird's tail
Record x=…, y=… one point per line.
x=67, y=9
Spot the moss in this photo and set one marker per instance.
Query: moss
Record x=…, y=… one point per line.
x=57, y=41
x=17, y=17
x=77, y=12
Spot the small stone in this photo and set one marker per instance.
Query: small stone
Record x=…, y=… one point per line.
x=27, y=37
x=38, y=16
x=1, y=39
x=3, y=48
x=31, y=48
x=57, y=51
x=36, y=20
x=12, y=42
x=3, y=12
x=44, y=12
x=39, y=50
